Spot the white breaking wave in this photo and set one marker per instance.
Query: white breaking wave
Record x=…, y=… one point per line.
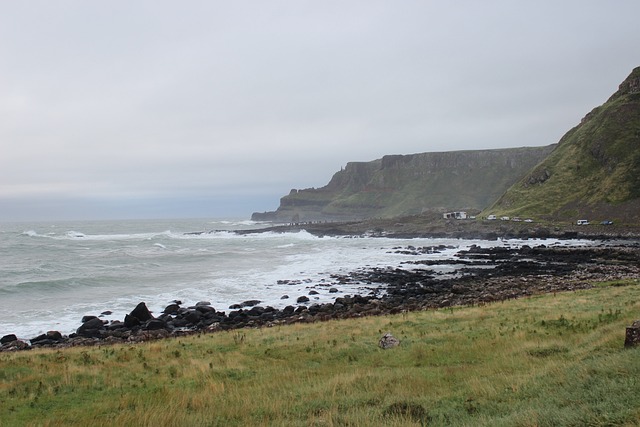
x=50, y=278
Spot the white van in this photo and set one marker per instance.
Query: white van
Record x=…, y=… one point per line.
x=583, y=222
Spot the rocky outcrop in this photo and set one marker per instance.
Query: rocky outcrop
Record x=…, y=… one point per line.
x=398, y=185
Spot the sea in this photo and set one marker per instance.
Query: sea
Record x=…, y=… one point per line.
x=54, y=273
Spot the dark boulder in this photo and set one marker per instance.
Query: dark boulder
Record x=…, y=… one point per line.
x=115, y=325
x=85, y=319
x=205, y=309
x=51, y=337
x=55, y=335
x=171, y=309
x=303, y=298
x=93, y=328
x=131, y=321
x=155, y=324
x=202, y=303
x=333, y=290
x=8, y=338
x=193, y=317
x=141, y=312
x=250, y=303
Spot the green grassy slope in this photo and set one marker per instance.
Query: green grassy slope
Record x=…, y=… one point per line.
x=549, y=360
x=595, y=169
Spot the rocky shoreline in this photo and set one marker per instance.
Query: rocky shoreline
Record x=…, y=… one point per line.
x=486, y=275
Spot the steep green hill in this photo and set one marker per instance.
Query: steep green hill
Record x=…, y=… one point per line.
x=594, y=173
x=408, y=184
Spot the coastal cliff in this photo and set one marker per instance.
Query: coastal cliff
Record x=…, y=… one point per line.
x=398, y=185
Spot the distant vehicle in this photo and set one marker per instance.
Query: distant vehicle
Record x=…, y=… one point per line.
x=528, y=220
x=504, y=218
x=491, y=218
x=583, y=222
x=516, y=219
x=606, y=222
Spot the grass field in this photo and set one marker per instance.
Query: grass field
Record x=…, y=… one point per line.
x=548, y=360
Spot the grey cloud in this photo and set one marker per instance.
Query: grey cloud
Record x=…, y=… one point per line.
x=158, y=100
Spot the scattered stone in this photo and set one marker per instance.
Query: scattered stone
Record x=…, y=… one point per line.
x=312, y=292
x=333, y=290
x=388, y=341
x=303, y=298
x=632, y=337
x=284, y=297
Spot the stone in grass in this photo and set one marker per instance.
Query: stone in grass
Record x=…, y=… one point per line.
x=632, y=338
x=388, y=341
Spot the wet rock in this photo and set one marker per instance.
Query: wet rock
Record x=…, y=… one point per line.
x=171, y=309
x=302, y=299
x=131, y=321
x=333, y=290
x=91, y=328
x=141, y=312
x=8, y=338
x=284, y=297
x=250, y=303
x=155, y=324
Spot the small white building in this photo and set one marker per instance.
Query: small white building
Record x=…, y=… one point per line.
x=455, y=215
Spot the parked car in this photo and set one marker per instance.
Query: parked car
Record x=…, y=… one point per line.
x=583, y=222
x=528, y=220
x=606, y=222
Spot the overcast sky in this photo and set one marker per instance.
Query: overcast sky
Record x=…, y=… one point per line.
x=122, y=109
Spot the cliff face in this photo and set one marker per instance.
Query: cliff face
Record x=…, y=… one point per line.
x=408, y=184
x=595, y=171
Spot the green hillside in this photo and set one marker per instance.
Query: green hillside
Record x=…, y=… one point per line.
x=594, y=172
